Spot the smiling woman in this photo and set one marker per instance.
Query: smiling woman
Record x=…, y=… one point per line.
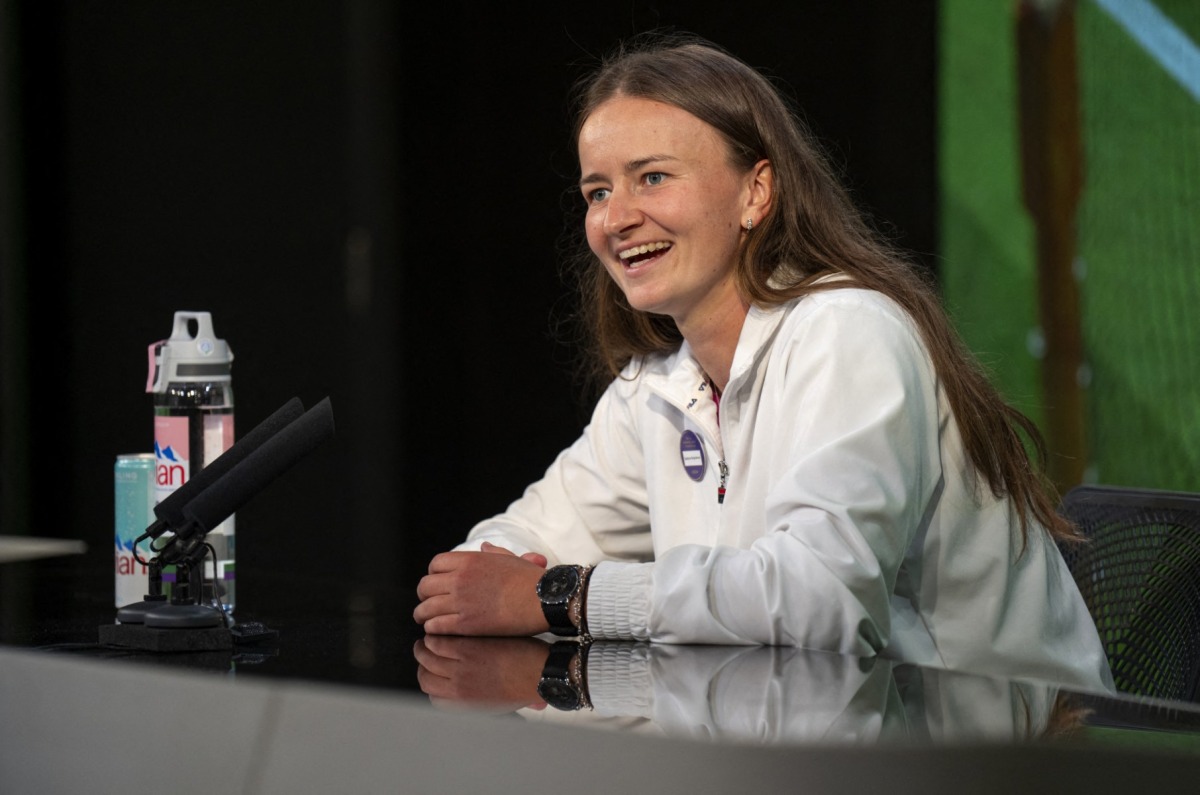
x=794, y=448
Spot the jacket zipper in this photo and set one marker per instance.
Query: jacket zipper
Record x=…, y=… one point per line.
x=724, y=469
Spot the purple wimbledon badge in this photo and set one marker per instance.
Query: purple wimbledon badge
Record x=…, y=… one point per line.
x=692, y=453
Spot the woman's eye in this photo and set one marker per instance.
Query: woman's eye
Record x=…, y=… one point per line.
x=655, y=178
x=597, y=195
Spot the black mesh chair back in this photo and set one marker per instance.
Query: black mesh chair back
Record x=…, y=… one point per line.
x=1139, y=572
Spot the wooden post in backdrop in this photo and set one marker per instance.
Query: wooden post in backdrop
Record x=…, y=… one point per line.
x=1052, y=180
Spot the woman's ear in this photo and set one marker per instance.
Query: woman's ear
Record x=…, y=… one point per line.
x=761, y=181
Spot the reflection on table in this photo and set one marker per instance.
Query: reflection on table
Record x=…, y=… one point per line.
x=748, y=694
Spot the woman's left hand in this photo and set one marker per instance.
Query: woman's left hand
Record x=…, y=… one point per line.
x=492, y=592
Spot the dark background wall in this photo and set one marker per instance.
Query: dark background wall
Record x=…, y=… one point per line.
x=369, y=202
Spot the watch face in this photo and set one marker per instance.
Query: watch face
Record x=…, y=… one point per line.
x=557, y=585
x=559, y=694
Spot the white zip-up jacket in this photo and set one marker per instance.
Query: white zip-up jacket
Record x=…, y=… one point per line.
x=852, y=519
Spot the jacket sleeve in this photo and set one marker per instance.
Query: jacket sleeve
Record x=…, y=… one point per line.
x=846, y=468
x=591, y=504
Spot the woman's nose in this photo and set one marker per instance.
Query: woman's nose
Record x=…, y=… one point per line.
x=621, y=213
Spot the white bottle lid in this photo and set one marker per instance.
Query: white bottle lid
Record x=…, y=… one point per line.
x=185, y=356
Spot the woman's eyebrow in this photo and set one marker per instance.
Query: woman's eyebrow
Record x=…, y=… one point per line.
x=631, y=166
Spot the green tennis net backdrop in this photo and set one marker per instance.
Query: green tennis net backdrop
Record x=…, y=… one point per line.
x=1138, y=225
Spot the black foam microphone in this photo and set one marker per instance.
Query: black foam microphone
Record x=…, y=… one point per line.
x=247, y=478
x=169, y=512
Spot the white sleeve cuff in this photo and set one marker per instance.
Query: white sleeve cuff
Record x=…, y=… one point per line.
x=618, y=601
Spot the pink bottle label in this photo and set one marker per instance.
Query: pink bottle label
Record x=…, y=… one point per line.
x=218, y=436
x=171, y=455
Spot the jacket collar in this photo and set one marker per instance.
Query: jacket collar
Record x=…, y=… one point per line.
x=679, y=378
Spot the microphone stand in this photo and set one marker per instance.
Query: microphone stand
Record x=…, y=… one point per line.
x=187, y=609
x=135, y=613
x=182, y=623
x=186, y=623
x=169, y=513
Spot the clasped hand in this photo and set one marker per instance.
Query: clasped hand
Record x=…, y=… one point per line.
x=492, y=592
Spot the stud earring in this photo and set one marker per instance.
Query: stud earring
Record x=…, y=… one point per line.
x=749, y=224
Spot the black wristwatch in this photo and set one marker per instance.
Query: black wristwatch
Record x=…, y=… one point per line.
x=562, y=683
x=554, y=590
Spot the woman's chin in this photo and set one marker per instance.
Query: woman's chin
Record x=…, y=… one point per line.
x=647, y=304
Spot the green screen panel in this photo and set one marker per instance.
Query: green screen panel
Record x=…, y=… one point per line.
x=1139, y=232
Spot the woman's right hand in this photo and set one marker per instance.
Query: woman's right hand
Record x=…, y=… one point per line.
x=491, y=592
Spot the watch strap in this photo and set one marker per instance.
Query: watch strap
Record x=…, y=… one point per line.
x=559, y=618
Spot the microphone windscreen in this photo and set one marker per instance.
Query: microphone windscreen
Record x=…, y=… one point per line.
x=250, y=476
x=170, y=510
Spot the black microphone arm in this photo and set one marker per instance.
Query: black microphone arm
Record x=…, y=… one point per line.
x=247, y=478
x=169, y=512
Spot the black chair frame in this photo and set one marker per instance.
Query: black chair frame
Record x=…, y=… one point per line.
x=1139, y=573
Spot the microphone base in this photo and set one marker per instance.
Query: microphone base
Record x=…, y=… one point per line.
x=184, y=616
x=135, y=613
x=143, y=638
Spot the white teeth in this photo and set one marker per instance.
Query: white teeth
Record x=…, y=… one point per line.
x=643, y=249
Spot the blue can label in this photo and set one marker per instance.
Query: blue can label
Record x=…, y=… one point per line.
x=133, y=501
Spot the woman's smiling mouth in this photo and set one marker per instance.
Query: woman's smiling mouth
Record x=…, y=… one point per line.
x=635, y=256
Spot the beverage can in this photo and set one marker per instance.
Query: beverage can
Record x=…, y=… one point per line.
x=133, y=502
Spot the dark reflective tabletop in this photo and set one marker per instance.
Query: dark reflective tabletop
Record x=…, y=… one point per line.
x=358, y=644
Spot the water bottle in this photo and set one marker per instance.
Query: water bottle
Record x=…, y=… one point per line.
x=190, y=378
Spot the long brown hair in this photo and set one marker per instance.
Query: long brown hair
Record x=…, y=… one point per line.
x=812, y=230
